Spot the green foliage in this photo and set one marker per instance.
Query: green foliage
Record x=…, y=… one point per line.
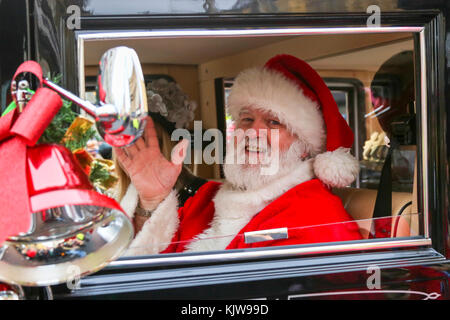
x=99, y=174
x=62, y=121
x=55, y=78
x=79, y=139
x=55, y=132
x=59, y=125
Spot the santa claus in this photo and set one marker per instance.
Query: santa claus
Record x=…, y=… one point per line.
x=310, y=148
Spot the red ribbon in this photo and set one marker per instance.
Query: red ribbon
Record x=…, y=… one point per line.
x=17, y=132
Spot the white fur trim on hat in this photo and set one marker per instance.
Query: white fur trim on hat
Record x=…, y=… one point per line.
x=158, y=230
x=271, y=91
x=336, y=168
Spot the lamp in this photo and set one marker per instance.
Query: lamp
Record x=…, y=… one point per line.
x=53, y=224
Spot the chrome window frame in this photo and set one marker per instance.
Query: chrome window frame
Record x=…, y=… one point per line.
x=276, y=252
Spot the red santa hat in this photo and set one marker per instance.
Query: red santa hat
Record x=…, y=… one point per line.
x=294, y=92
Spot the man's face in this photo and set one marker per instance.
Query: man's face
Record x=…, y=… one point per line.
x=261, y=136
x=259, y=127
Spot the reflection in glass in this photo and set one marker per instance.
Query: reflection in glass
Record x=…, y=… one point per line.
x=398, y=226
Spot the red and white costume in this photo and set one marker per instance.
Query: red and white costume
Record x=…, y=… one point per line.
x=221, y=215
x=218, y=215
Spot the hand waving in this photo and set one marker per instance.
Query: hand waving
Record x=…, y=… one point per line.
x=149, y=171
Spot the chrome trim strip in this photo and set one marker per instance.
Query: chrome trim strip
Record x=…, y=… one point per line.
x=424, y=133
x=272, y=253
x=81, y=76
x=240, y=32
x=49, y=292
x=265, y=235
x=427, y=296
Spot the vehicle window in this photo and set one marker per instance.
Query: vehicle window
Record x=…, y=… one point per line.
x=371, y=78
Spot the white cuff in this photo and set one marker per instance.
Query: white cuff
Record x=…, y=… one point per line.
x=158, y=231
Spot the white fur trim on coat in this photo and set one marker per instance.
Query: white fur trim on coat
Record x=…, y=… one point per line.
x=336, y=168
x=269, y=90
x=235, y=208
x=158, y=231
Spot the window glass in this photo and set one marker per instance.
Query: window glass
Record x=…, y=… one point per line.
x=371, y=79
x=399, y=226
x=341, y=98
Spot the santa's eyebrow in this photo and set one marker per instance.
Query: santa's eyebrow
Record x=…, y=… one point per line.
x=244, y=110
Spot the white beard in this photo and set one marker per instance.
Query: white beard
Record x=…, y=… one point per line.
x=251, y=177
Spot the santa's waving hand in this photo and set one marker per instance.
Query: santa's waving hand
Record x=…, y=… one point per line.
x=150, y=172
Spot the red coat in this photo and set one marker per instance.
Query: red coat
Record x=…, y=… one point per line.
x=303, y=209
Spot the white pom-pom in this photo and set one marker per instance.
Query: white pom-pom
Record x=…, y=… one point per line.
x=336, y=168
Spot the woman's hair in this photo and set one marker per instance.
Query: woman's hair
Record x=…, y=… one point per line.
x=165, y=145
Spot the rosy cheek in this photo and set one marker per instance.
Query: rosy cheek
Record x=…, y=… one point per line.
x=275, y=143
x=284, y=141
x=273, y=135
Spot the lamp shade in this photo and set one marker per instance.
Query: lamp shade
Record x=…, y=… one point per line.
x=74, y=229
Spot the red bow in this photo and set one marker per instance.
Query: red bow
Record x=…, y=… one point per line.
x=17, y=132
